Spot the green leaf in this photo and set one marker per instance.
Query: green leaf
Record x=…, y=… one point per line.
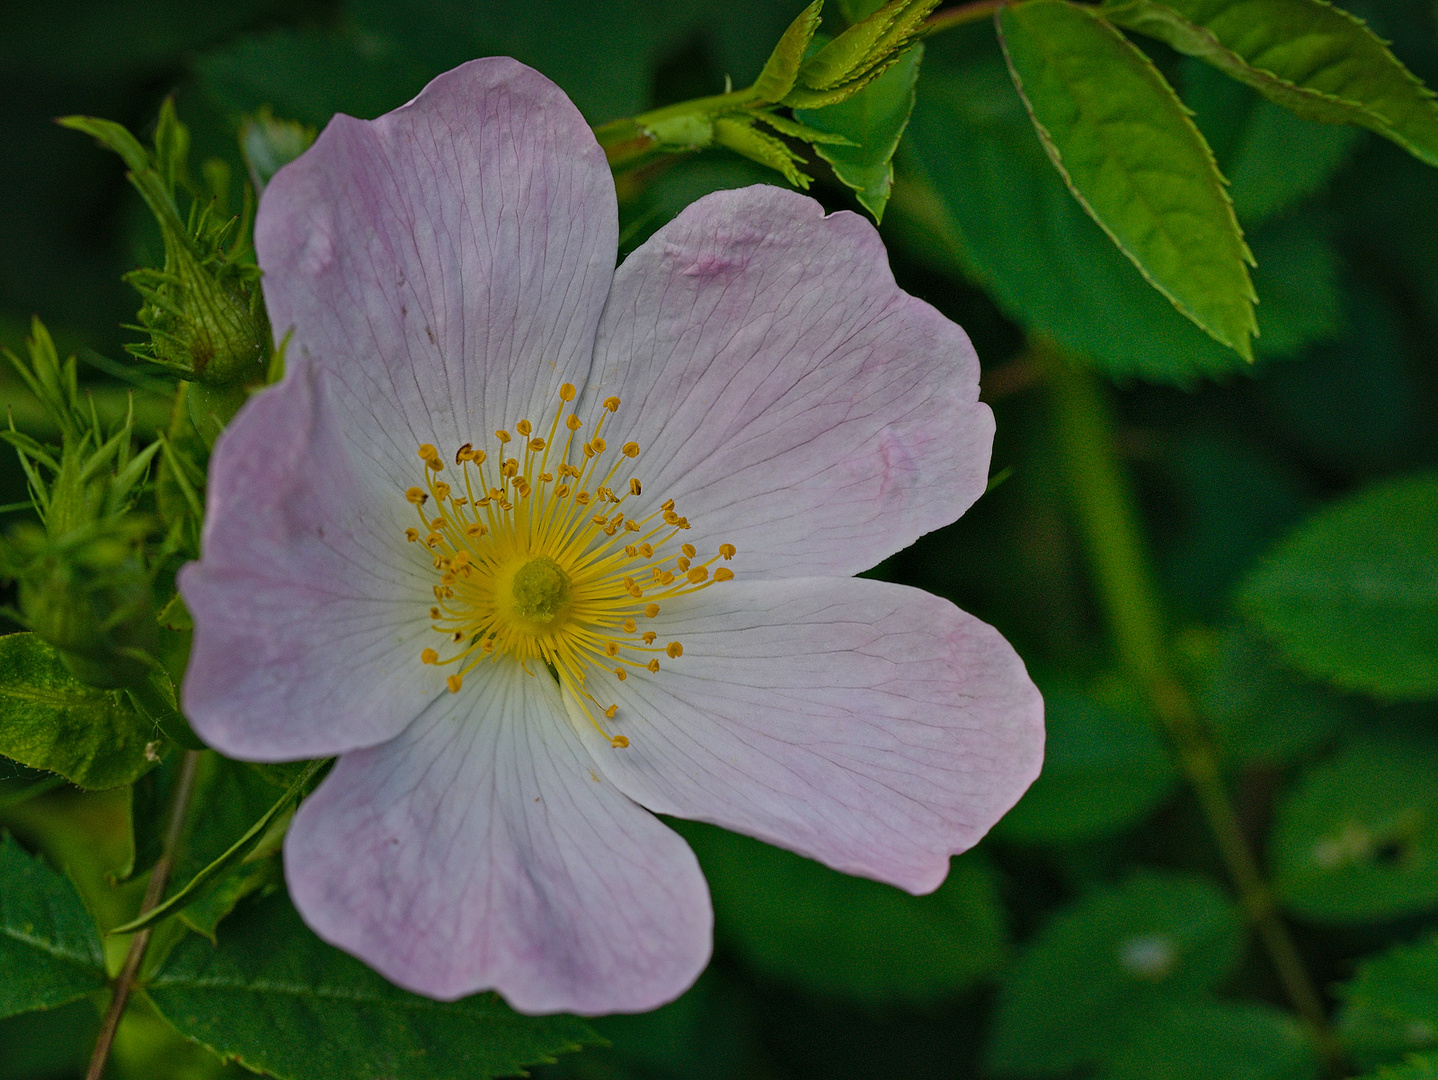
x=1258, y=711
x=50, y=720
x=1392, y=1003
x=1357, y=839
x=1352, y=595
x=204, y=880
x=837, y=935
x=275, y=998
x=1126, y=147
x=1104, y=768
x=1104, y=967
x=1216, y=1040
x=873, y=120
x=1418, y=1067
x=979, y=198
x=49, y=951
x=1306, y=55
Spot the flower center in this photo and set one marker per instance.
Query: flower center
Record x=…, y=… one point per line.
x=539, y=591
x=537, y=559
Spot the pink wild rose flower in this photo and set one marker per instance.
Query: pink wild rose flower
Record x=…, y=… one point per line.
x=537, y=546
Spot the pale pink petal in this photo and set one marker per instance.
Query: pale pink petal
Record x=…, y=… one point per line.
x=482, y=850
x=447, y=262
x=309, y=606
x=784, y=391
x=870, y=726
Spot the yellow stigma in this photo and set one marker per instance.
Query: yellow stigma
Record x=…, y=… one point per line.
x=537, y=558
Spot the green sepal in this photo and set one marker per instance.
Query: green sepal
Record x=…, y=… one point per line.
x=782, y=67
x=742, y=137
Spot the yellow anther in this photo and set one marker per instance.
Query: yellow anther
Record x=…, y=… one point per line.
x=441, y=489
x=546, y=477
x=631, y=526
x=681, y=564
x=502, y=435
x=619, y=742
x=651, y=610
x=561, y=491
x=525, y=428
x=612, y=648
x=582, y=498
x=621, y=674
x=674, y=649
x=648, y=637
x=630, y=449
x=429, y=656
x=479, y=457
x=461, y=558
x=464, y=453
x=629, y=583
x=475, y=531
x=418, y=496
x=653, y=665
x=634, y=486
x=457, y=636
x=522, y=486
x=572, y=422
x=631, y=551
x=426, y=451
x=667, y=504
x=646, y=550
x=567, y=392
x=599, y=444
x=432, y=539
x=630, y=626
x=727, y=550
x=688, y=550
x=437, y=523
x=609, y=715
x=411, y=535
x=434, y=464
x=537, y=444
x=600, y=519
x=671, y=518
x=611, y=403
x=589, y=450
x=454, y=682
x=510, y=468
x=697, y=575
x=723, y=574
x=434, y=613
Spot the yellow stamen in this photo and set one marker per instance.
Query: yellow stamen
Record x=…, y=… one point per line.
x=526, y=570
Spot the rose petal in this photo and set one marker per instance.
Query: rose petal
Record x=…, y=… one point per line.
x=481, y=849
x=870, y=726
x=784, y=391
x=447, y=262
x=309, y=605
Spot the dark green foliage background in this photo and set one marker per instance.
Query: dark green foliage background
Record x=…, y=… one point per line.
x=1093, y=933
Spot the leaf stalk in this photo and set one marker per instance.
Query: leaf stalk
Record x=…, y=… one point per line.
x=1108, y=523
x=159, y=876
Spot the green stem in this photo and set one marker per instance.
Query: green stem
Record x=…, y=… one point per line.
x=159, y=876
x=1108, y=523
x=961, y=15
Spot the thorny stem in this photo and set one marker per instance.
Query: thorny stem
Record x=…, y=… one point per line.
x=154, y=892
x=1108, y=523
x=958, y=16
